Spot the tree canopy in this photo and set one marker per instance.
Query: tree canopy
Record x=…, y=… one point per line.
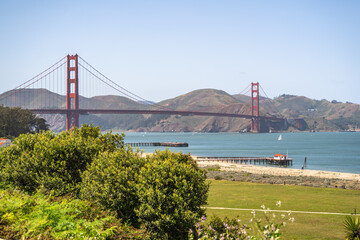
x=16, y=121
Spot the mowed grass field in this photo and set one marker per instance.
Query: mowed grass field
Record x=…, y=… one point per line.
x=232, y=194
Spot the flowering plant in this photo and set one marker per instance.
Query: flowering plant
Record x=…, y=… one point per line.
x=269, y=226
x=265, y=225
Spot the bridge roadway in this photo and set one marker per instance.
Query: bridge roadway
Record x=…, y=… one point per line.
x=164, y=112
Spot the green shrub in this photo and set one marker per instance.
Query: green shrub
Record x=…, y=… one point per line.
x=54, y=162
x=217, y=228
x=111, y=182
x=164, y=192
x=217, y=177
x=171, y=190
x=215, y=168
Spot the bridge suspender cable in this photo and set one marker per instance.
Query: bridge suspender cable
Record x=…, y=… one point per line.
x=271, y=102
x=135, y=98
x=19, y=88
x=128, y=95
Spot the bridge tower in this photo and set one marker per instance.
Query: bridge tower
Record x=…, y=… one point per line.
x=255, y=121
x=72, y=92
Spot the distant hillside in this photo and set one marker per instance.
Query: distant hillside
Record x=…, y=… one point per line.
x=210, y=100
x=200, y=100
x=319, y=115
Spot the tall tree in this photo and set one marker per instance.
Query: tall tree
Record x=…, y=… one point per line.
x=16, y=121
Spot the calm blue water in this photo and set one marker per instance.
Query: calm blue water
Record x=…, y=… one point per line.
x=338, y=151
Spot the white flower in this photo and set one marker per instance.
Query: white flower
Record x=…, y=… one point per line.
x=263, y=206
x=291, y=219
x=253, y=213
x=278, y=203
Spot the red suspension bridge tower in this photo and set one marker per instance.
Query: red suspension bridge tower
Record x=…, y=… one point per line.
x=255, y=120
x=72, y=92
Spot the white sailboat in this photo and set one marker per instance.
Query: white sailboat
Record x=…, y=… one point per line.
x=280, y=138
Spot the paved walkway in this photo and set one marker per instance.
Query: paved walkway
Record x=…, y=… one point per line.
x=282, y=211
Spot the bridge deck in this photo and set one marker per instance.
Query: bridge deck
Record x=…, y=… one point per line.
x=164, y=112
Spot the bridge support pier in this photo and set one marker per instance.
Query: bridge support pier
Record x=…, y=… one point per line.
x=72, y=120
x=72, y=92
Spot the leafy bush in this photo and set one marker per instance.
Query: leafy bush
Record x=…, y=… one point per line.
x=215, y=168
x=39, y=217
x=218, y=228
x=164, y=192
x=172, y=190
x=218, y=177
x=54, y=162
x=111, y=182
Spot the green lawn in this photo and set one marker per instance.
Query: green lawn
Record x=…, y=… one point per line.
x=231, y=194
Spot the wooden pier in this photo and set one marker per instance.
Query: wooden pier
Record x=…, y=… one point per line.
x=248, y=160
x=159, y=144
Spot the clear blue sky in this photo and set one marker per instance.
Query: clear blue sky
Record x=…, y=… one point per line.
x=162, y=49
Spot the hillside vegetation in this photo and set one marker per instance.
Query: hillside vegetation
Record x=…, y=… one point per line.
x=319, y=115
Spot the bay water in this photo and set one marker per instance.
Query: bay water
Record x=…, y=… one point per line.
x=328, y=151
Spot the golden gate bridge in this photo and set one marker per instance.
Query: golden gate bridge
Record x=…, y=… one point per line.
x=71, y=76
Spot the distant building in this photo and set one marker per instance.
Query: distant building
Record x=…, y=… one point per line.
x=280, y=157
x=5, y=142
